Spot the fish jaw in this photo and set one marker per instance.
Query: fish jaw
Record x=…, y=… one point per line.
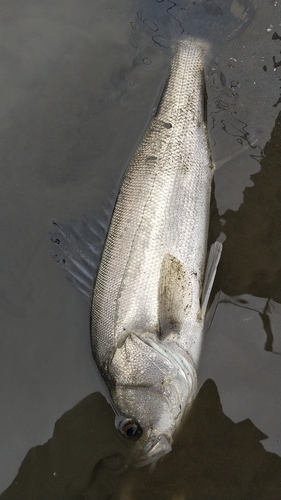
x=155, y=449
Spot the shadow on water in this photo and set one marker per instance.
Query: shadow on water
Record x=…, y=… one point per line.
x=241, y=350
x=250, y=261
x=214, y=458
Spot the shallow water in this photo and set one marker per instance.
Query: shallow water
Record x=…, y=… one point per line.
x=77, y=97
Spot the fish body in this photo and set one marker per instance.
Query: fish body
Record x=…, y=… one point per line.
x=146, y=316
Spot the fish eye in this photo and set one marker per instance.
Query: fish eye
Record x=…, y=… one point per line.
x=130, y=428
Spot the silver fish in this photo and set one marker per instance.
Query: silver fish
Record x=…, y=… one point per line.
x=148, y=312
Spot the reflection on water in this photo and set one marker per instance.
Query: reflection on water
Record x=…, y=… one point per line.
x=264, y=307
x=213, y=458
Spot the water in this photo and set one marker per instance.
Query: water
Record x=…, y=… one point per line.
x=77, y=97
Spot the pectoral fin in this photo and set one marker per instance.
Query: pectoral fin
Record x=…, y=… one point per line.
x=210, y=273
x=174, y=295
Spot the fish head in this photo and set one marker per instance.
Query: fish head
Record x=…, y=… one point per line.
x=153, y=385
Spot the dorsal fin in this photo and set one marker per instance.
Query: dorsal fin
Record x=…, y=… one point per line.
x=80, y=244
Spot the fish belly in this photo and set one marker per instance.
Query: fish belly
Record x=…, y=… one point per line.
x=162, y=210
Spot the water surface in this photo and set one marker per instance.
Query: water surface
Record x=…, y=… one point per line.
x=80, y=82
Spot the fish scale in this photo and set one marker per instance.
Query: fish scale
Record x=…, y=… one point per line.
x=162, y=208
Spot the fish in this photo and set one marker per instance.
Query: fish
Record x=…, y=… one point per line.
x=148, y=300
x=147, y=317
x=147, y=276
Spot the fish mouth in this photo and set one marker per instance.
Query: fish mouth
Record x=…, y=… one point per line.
x=152, y=452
